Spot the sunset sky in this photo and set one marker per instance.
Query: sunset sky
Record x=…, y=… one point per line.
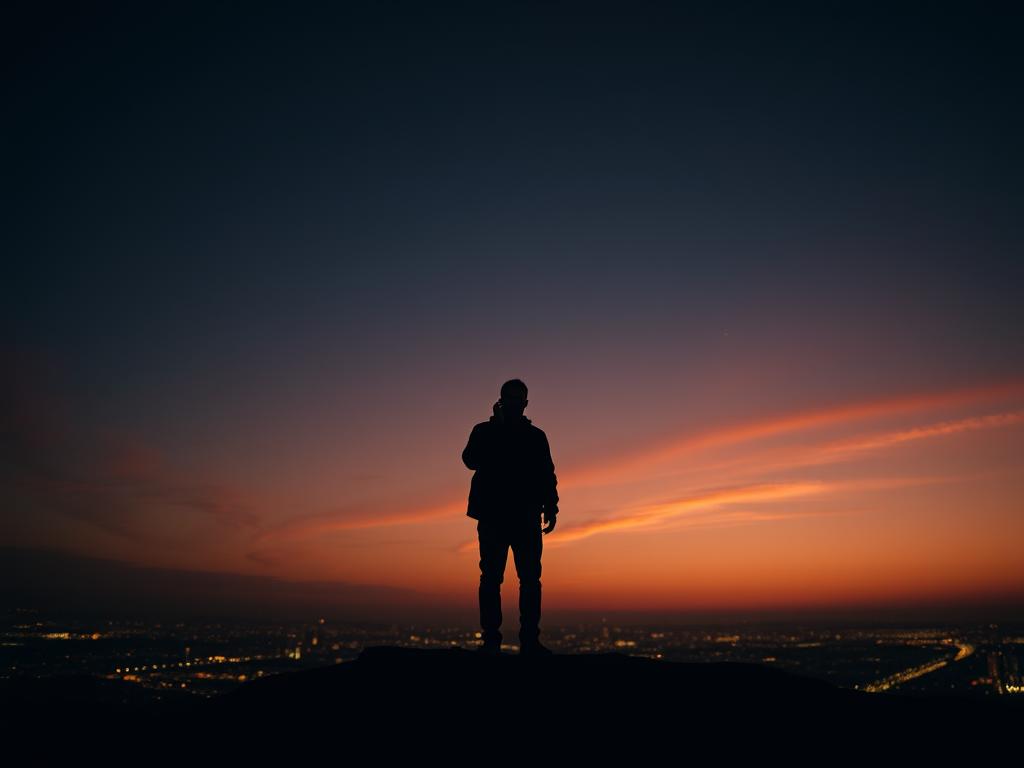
x=761, y=273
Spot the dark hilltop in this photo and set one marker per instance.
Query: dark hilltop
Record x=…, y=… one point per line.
x=443, y=703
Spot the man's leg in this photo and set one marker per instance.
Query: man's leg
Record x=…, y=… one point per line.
x=527, y=546
x=493, y=557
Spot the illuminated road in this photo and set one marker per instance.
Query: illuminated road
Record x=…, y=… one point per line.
x=963, y=651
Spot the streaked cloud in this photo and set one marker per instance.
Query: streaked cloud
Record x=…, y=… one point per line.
x=636, y=466
x=714, y=507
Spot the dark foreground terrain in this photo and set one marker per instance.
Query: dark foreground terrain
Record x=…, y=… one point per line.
x=453, y=705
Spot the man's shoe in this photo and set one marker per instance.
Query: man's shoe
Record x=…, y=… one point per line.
x=535, y=648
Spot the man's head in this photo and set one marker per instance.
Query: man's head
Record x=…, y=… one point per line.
x=513, y=397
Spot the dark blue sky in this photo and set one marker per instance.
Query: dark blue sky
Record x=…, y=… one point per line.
x=191, y=169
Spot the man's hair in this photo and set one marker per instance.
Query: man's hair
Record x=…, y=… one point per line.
x=514, y=388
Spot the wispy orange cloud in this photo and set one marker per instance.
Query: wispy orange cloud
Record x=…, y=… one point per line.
x=652, y=516
x=306, y=526
x=639, y=464
x=629, y=465
x=704, y=508
x=781, y=458
x=940, y=429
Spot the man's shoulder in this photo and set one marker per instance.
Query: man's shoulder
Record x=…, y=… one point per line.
x=492, y=423
x=538, y=432
x=482, y=428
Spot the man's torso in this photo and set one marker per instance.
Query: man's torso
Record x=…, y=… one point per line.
x=510, y=487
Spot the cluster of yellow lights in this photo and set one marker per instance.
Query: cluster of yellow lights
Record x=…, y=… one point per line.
x=965, y=650
x=196, y=663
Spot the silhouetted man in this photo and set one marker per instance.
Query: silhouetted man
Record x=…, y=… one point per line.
x=514, y=485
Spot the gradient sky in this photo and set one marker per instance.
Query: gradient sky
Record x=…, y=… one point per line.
x=761, y=271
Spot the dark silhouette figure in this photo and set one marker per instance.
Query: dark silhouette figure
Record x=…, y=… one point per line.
x=514, y=485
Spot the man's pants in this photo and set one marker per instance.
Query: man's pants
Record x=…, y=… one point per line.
x=525, y=537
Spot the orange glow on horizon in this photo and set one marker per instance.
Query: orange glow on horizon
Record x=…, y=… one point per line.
x=875, y=501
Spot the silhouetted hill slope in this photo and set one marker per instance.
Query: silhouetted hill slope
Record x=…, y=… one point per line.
x=418, y=701
x=419, y=683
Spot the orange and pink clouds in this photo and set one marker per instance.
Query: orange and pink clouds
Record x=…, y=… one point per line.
x=866, y=500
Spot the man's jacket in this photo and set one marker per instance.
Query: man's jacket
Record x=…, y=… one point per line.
x=515, y=476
